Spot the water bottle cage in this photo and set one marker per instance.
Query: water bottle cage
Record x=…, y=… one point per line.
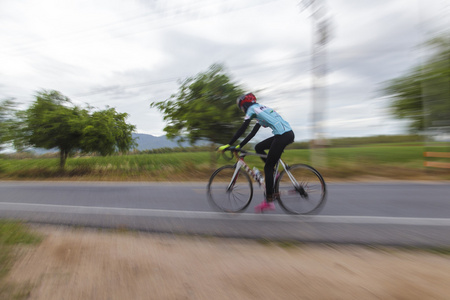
x=260, y=180
x=258, y=177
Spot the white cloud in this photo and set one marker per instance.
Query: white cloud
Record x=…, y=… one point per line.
x=127, y=54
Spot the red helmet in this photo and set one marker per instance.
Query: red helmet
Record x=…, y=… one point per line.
x=247, y=98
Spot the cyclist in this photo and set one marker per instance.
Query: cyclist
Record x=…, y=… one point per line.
x=283, y=136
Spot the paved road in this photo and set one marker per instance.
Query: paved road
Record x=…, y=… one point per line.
x=391, y=213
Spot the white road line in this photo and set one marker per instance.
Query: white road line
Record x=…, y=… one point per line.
x=116, y=211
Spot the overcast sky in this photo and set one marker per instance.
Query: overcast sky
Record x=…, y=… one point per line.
x=127, y=54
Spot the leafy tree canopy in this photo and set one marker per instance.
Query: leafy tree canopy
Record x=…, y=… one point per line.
x=52, y=121
x=423, y=95
x=6, y=120
x=203, y=108
x=107, y=132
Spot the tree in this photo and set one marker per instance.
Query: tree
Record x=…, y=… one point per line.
x=6, y=120
x=49, y=123
x=203, y=108
x=423, y=95
x=52, y=121
x=107, y=132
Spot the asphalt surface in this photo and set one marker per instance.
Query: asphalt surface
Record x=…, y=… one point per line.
x=385, y=213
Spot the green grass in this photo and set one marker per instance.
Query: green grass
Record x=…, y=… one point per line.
x=399, y=160
x=13, y=234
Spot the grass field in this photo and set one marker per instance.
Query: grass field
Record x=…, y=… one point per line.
x=399, y=161
x=11, y=235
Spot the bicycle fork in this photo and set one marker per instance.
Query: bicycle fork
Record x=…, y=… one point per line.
x=235, y=175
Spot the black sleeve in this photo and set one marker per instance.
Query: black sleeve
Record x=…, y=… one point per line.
x=250, y=135
x=239, y=132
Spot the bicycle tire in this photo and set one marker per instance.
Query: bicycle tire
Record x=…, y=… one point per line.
x=234, y=200
x=308, y=198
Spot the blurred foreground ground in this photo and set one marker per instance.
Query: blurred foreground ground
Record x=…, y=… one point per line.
x=89, y=264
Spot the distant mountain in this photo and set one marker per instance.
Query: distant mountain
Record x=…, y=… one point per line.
x=149, y=142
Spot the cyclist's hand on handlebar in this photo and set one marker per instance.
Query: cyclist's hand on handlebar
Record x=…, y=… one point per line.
x=223, y=148
x=228, y=147
x=234, y=148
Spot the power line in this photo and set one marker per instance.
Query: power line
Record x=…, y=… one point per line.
x=107, y=89
x=110, y=25
x=191, y=11
x=269, y=66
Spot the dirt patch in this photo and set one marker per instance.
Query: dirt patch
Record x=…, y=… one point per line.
x=89, y=264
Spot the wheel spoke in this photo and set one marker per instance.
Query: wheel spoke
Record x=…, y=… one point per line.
x=305, y=193
x=234, y=198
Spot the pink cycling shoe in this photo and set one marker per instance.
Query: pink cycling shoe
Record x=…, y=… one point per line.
x=264, y=206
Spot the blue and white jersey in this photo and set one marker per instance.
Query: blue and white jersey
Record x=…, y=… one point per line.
x=267, y=117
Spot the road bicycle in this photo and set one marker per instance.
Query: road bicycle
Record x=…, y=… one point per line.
x=299, y=189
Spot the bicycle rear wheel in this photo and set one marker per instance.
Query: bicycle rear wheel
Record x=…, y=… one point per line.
x=228, y=196
x=303, y=193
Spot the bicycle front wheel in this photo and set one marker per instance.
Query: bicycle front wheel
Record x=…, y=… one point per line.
x=226, y=194
x=301, y=189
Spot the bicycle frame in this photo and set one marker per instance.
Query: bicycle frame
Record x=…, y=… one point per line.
x=299, y=188
x=242, y=164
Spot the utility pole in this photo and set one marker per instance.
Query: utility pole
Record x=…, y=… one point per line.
x=321, y=36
